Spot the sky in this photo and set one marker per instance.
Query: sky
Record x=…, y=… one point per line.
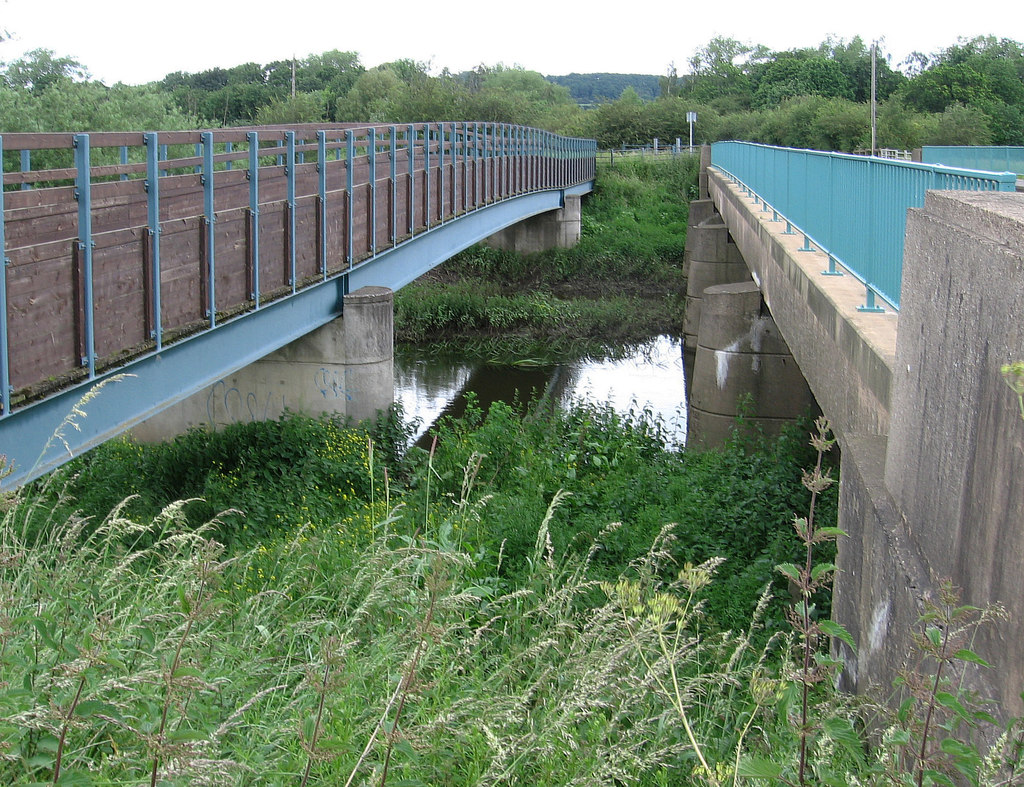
x=138, y=42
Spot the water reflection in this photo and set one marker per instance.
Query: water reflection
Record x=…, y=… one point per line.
x=651, y=378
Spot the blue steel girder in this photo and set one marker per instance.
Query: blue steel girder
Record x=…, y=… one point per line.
x=42, y=436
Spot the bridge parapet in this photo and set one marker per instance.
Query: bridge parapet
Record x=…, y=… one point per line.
x=853, y=208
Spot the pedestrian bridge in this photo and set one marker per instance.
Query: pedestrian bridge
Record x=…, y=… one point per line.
x=179, y=257
x=899, y=290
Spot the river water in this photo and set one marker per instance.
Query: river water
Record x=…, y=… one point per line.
x=650, y=377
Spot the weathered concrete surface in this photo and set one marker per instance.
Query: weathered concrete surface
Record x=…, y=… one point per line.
x=345, y=368
x=882, y=577
x=739, y=352
x=556, y=229
x=932, y=442
x=713, y=259
x=700, y=210
x=956, y=428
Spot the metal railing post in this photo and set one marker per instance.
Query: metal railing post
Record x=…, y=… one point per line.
x=371, y=158
x=26, y=166
x=455, y=169
x=410, y=143
x=83, y=193
x=253, y=176
x=210, y=219
x=152, y=186
x=321, y=171
x=350, y=152
x=393, y=156
x=440, y=171
x=289, y=172
x=426, y=167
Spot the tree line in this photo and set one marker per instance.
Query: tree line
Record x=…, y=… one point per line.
x=969, y=93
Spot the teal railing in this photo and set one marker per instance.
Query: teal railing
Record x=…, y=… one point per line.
x=853, y=208
x=990, y=158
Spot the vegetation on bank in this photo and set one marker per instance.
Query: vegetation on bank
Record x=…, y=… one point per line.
x=622, y=283
x=549, y=598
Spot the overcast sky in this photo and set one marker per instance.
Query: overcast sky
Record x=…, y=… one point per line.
x=137, y=42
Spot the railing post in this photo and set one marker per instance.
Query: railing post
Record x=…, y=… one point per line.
x=477, y=188
x=321, y=171
x=254, y=213
x=371, y=158
x=26, y=166
x=153, y=208
x=393, y=226
x=487, y=167
x=427, y=201
x=124, y=160
x=410, y=143
x=440, y=171
x=350, y=152
x=503, y=128
x=870, y=305
x=83, y=193
x=455, y=169
x=289, y=172
x=210, y=219
x=5, y=369
x=465, y=166
x=520, y=160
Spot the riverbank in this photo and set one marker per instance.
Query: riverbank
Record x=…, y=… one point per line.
x=481, y=585
x=623, y=283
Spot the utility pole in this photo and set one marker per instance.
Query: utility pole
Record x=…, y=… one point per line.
x=293, y=77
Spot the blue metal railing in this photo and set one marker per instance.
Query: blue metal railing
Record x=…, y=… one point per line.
x=361, y=191
x=853, y=208
x=990, y=158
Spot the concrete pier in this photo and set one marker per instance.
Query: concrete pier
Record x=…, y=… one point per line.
x=742, y=368
x=344, y=368
x=713, y=259
x=556, y=229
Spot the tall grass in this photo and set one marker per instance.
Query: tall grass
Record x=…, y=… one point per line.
x=510, y=624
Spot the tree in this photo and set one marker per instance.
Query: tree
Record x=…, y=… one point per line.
x=373, y=98
x=670, y=84
x=719, y=72
x=961, y=125
x=300, y=108
x=800, y=73
x=40, y=69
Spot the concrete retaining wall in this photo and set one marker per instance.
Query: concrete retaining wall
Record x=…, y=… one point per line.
x=955, y=462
